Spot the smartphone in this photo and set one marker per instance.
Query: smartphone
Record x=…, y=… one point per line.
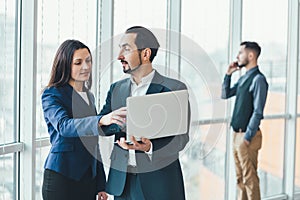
x=128, y=142
x=239, y=66
x=236, y=64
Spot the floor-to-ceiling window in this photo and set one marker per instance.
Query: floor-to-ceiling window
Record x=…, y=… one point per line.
x=205, y=28
x=266, y=23
x=58, y=21
x=208, y=33
x=8, y=98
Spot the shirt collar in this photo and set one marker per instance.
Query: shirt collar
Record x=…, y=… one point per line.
x=146, y=79
x=250, y=71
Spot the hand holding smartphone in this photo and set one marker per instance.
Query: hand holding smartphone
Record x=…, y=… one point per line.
x=232, y=68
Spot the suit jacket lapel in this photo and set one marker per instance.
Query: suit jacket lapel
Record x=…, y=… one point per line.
x=92, y=102
x=125, y=91
x=78, y=105
x=120, y=94
x=156, y=84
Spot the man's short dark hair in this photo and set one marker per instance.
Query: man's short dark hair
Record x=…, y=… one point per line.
x=144, y=39
x=252, y=46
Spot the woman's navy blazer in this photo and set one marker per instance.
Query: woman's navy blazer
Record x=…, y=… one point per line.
x=73, y=128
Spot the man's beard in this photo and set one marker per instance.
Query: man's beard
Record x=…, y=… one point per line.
x=126, y=71
x=130, y=70
x=244, y=64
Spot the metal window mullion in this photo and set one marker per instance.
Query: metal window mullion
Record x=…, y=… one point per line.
x=105, y=58
x=107, y=30
x=276, y=197
x=95, y=87
x=227, y=120
x=11, y=148
x=235, y=33
x=105, y=45
x=17, y=98
x=173, y=37
x=291, y=98
x=42, y=142
x=278, y=116
x=28, y=70
x=297, y=196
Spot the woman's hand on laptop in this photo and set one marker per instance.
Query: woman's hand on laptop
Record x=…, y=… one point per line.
x=115, y=117
x=144, y=145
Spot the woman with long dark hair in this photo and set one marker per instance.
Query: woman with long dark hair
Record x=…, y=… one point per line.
x=73, y=168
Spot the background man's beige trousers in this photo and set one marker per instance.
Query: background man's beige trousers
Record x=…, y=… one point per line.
x=245, y=157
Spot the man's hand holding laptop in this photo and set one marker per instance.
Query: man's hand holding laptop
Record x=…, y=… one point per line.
x=150, y=117
x=143, y=145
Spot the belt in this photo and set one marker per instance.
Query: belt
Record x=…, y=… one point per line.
x=241, y=130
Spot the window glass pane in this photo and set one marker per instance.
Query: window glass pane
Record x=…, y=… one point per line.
x=41, y=155
x=127, y=14
x=8, y=71
x=209, y=33
x=55, y=25
x=141, y=13
x=270, y=160
x=203, y=162
x=135, y=12
x=7, y=177
x=269, y=29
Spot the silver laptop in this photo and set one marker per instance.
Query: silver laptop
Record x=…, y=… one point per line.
x=157, y=115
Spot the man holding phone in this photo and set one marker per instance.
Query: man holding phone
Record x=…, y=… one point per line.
x=251, y=93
